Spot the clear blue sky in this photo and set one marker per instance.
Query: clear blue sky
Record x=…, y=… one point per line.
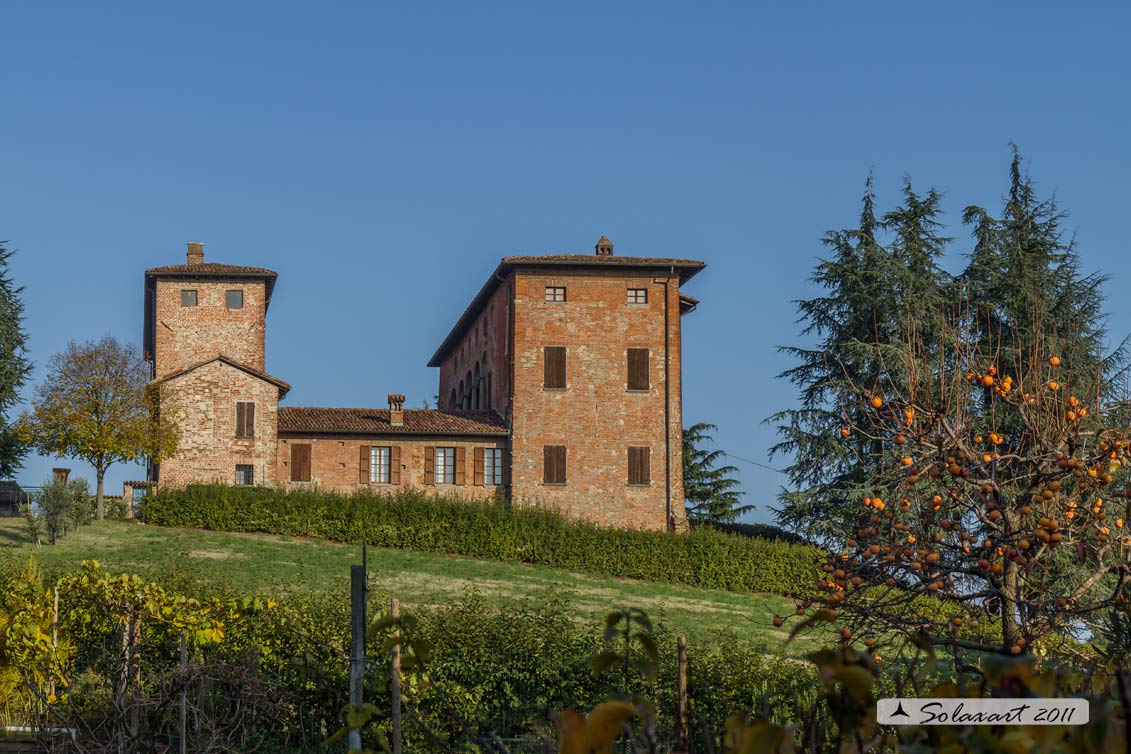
x=383, y=156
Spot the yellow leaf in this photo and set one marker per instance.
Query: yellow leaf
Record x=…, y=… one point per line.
x=604, y=725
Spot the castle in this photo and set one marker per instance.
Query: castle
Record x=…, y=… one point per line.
x=560, y=385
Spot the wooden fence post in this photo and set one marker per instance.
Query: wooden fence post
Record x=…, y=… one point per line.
x=182, y=703
x=357, y=651
x=684, y=727
x=395, y=683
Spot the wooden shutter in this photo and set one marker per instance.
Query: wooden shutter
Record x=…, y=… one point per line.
x=363, y=465
x=639, y=465
x=638, y=369
x=554, y=367
x=300, y=462
x=461, y=465
x=554, y=464
x=479, y=456
x=245, y=419
x=429, y=465
x=395, y=464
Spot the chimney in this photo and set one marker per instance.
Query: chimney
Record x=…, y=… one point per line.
x=195, y=254
x=61, y=475
x=604, y=247
x=396, y=409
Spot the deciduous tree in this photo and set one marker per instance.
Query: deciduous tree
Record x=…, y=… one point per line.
x=96, y=403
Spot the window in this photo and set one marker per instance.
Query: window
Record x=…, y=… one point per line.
x=639, y=465
x=245, y=419
x=245, y=473
x=554, y=464
x=555, y=294
x=380, y=462
x=300, y=462
x=445, y=465
x=638, y=295
x=493, y=466
x=638, y=369
x=554, y=367
x=234, y=299
x=188, y=297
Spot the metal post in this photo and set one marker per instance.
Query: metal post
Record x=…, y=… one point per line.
x=395, y=683
x=684, y=726
x=357, y=652
x=182, y=704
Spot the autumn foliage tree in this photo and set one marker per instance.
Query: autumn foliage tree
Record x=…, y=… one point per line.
x=96, y=403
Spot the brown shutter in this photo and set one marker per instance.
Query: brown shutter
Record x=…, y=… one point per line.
x=300, y=462
x=554, y=464
x=241, y=418
x=250, y=415
x=430, y=465
x=554, y=367
x=363, y=465
x=461, y=465
x=479, y=456
x=638, y=369
x=395, y=464
x=639, y=465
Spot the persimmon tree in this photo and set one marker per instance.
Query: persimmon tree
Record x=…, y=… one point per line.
x=1002, y=496
x=97, y=403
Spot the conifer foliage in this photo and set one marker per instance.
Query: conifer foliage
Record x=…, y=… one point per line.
x=14, y=364
x=711, y=491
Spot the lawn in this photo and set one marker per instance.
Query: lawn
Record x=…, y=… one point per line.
x=280, y=566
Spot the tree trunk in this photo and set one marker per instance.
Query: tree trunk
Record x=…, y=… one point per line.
x=99, y=510
x=1010, y=628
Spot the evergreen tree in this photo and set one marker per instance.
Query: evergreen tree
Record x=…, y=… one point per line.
x=14, y=365
x=712, y=494
x=876, y=298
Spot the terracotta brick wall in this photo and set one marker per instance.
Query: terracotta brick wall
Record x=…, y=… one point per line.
x=486, y=342
x=596, y=417
x=335, y=461
x=204, y=404
x=186, y=335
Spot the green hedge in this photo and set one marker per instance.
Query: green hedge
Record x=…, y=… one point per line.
x=493, y=530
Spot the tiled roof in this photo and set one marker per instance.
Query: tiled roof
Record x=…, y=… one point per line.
x=417, y=421
x=284, y=387
x=212, y=269
x=587, y=260
x=685, y=268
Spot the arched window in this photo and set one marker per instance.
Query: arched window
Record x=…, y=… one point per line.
x=476, y=390
x=469, y=388
x=488, y=391
x=452, y=400
x=460, y=404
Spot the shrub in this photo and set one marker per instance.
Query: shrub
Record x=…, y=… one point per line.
x=494, y=530
x=60, y=507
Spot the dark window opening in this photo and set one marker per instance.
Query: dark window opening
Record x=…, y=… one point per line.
x=188, y=297
x=233, y=299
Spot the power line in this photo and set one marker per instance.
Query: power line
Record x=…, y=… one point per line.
x=752, y=463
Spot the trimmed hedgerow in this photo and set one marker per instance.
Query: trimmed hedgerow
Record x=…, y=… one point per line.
x=494, y=530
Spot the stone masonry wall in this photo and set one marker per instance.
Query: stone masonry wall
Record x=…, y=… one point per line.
x=186, y=335
x=595, y=416
x=334, y=461
x=204, y=403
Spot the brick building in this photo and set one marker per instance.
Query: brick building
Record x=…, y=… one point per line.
x=560, y=385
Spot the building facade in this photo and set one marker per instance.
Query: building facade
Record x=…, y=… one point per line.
x=560, y=385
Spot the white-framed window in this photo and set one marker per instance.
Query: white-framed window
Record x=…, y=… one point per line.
x=380, y=459
x=555, y=293
x=638, y=295
x=493, y=466
x=245, y=473
x=445, y=465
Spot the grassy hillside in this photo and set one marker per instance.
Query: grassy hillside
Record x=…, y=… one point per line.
x=280, y=565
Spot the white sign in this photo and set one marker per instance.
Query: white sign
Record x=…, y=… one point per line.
x=914, y=711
